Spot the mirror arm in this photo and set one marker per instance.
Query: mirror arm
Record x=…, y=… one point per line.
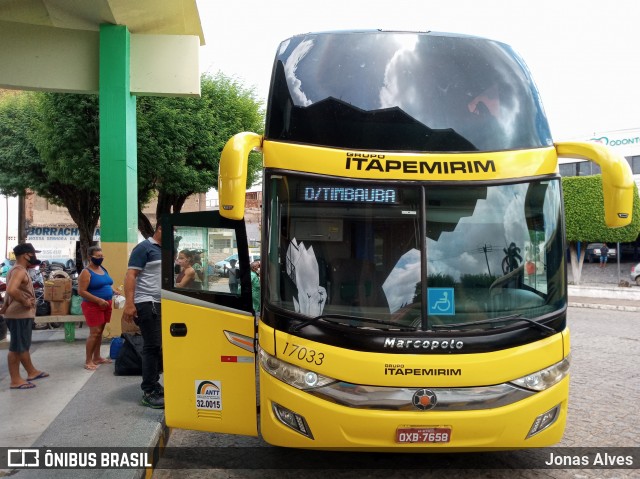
x=232, y=176
x=617, y=178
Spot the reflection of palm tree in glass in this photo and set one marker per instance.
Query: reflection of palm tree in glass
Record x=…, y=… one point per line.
x=512, y=259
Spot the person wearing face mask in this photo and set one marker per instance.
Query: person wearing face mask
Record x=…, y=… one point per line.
x=95, y=286
x=19, y=310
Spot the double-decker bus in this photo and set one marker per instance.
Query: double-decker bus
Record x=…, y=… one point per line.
x=413, y=284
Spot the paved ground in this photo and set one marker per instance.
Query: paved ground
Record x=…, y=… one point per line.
x=611, y=274
x=75, y=407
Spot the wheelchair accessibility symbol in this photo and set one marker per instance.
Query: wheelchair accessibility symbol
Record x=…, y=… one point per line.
x=441, y=301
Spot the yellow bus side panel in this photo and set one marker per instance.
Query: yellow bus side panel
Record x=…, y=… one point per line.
x=208, y=360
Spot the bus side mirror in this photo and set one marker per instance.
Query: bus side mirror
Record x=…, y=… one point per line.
x=232, y=175
x=617, y=179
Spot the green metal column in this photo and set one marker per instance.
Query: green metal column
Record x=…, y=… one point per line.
x=118, y=160
x=118, y=139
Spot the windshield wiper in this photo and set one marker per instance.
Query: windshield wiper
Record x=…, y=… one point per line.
x=306, y=323
x=513, y=318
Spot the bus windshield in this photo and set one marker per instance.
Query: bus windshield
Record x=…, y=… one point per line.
x=404, y=91
x=361, y=254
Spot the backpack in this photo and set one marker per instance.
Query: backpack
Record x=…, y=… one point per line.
x=43, y=308
x=129, y=358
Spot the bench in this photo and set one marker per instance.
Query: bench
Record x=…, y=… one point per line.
x=69, y=321
x=68, y=318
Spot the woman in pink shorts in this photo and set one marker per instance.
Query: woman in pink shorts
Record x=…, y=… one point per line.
x=96, y=288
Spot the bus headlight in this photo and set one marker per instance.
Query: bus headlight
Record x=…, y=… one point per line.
x=292, y=375
x=545, y=378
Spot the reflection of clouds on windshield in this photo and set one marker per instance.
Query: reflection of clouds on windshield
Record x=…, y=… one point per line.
x=455, y=263
x=290, y=67
x=514, y=226
x=283, y=46
x=400, y=286
x=468, y=262
x=395, y=93
x=551, y=209
x=494, y=224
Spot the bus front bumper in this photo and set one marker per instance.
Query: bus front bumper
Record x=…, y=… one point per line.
x=318, y=423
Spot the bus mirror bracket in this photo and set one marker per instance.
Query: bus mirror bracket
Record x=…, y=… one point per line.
x=232, y=176
x=617, y=179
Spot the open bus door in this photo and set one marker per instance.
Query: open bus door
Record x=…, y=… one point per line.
x=208, y=327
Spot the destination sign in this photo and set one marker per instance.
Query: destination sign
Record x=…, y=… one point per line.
x=348, y=194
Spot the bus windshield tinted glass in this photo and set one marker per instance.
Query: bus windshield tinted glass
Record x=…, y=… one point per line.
x=404, y=91
x=493, y=252
x=358, y=252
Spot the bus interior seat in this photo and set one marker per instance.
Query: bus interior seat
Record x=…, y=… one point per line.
x=352, y=282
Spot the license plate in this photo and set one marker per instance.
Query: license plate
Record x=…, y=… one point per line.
x=423, y=435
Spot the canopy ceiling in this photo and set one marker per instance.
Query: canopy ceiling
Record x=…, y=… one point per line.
x=160, y=17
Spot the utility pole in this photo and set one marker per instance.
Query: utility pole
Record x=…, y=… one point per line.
x=22, y=219
x=486, y=248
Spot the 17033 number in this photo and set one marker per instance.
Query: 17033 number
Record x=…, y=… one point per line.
x=303, y=353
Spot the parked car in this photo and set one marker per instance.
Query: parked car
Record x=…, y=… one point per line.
x=635, y=273
x=221, y=268
x=593, y=252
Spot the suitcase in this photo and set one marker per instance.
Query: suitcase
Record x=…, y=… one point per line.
x=128, y=356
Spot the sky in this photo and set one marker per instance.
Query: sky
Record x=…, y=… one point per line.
x=584, y=55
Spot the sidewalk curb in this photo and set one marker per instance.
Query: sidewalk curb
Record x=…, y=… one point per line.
x=158, y=443
x=609, y=307
x=604, y=291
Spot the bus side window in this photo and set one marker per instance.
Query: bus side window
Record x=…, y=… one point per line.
x=208, y=258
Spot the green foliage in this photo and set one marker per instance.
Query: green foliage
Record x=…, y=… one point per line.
x=584, y=212
x=49, y=143
x=482, y=281
x=180, y=139
x=440, y=280
x=19, y=162
x=66, y=133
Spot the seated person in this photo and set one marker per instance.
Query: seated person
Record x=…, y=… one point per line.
x=187, y=275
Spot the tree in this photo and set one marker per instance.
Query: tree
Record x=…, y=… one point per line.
x=584, y=218
x=15, y=144
x=180, y=141
x=49, y=144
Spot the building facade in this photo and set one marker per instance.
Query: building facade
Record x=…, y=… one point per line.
x=52, y=230
x=624, y=142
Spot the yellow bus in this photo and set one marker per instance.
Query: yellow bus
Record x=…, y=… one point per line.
x=413, y=280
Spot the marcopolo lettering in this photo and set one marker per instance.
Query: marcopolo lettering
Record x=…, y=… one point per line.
x=382, y=165
x=430, y=344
